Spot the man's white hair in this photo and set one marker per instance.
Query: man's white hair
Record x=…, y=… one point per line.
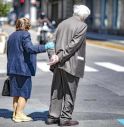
x=81, y=10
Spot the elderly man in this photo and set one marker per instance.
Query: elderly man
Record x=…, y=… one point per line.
x=68, y=63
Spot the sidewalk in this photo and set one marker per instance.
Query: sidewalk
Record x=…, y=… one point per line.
x=109, y=41
x=105, y=37
x=3, y=64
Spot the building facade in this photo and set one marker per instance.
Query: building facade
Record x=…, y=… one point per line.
x=26, y=8
x=106, y=15
x=60, y=9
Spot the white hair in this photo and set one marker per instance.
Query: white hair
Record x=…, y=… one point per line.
x=82, y=11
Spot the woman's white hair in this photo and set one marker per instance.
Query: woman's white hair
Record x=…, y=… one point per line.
x=82, y=11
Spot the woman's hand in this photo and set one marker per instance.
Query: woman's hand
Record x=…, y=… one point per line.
x=49, y=45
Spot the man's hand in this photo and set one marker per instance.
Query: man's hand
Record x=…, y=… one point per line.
x=54, y=59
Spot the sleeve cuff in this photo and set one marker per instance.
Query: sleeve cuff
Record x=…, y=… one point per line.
x=42, y=48
x=60, y=56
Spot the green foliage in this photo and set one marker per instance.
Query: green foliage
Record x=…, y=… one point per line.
x=4, y=8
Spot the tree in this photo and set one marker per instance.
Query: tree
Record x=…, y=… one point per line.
x=4, y=8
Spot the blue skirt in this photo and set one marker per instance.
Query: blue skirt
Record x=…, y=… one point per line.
x=20, y=86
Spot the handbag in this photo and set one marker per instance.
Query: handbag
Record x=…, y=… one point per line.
x=6, y=88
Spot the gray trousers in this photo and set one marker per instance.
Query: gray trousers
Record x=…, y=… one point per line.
x=63, y=94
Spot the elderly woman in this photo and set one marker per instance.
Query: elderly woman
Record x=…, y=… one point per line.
x=21, y=65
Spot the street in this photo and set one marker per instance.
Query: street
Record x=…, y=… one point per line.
x=100, y=95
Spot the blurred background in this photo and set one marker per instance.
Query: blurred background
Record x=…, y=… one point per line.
x=100, y=100
x=106, y=15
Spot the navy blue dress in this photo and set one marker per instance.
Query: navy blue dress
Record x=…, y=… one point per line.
x=20, y=86
x=21, y=63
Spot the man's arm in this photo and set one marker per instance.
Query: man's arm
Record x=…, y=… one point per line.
x=74, y=45
x=71, y=48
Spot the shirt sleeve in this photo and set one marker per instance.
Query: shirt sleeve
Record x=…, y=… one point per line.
x=29, y=47
x=74, y=45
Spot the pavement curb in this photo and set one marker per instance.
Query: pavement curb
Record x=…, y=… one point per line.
x=106, y=44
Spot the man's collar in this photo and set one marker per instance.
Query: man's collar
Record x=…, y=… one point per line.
x=77, y=17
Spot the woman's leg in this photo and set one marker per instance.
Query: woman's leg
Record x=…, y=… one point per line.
x=15, y=103
x=19, y=115
x=21, y=105
x=24, y=84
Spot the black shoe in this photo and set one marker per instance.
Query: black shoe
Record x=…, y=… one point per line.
x=50, y=121
x=68, y=123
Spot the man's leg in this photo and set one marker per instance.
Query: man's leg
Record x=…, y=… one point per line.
x=70, y=84
x=56, y=98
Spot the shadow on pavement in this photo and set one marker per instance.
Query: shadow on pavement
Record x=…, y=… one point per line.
x=39, y=115
x=6, y=113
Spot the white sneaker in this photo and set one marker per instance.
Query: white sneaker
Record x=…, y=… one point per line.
x=22, y=118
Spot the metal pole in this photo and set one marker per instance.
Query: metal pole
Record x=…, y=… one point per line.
x=62, y=8
x=103, y=14
x=115, y=14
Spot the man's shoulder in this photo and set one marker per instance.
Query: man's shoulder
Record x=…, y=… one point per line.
x=66, y=20
x=71, y=22
x=84, y=24
x=74, y=21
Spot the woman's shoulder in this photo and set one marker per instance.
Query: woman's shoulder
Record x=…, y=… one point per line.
x=23, y=33
x=20, y=32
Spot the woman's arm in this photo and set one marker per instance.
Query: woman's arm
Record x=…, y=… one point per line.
x=29, y=47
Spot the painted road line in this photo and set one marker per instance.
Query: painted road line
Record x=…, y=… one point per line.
x=90, y=69
x=43, y=66
x=3, y=71
x=111, y=66
x=121, y=121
